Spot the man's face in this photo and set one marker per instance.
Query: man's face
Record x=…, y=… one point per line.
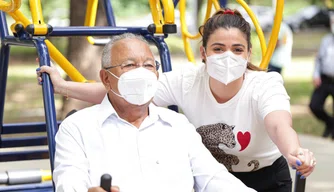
x=128, y=54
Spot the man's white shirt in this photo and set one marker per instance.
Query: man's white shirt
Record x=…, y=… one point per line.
x=164, y=154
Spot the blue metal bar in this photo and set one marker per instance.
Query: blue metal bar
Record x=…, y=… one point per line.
x=223, y=3
x=109, y=13
x=23, y=141
x=34, y=187
x=32, y=127
x=4, y=58
x=96, y=31
x=48, y=99
x=3, y=27
x=175, y=3
x=164, y=56
x=10, y=40
x=23, y=154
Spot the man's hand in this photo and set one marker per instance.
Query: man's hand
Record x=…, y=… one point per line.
x=316, y=81
x=99, y=189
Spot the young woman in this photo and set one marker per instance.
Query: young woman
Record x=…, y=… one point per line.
x=242, y=113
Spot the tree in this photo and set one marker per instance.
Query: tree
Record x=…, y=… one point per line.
x=84, y=56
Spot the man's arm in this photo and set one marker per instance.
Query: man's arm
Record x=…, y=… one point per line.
x=71, y=165
x=209, y=175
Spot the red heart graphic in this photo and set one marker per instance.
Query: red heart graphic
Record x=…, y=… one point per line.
x=243, y=139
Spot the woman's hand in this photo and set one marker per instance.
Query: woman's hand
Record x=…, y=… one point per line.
x=303, y=161
x=59, y=84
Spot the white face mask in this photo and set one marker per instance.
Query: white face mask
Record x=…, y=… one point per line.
x=226, y=67
x=137, y=86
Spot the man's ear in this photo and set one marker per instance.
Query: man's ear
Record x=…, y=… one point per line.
x=202, y=51
x=104, y=78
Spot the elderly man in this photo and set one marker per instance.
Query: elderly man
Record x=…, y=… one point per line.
x=144, y=147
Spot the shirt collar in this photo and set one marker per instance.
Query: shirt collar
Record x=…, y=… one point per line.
x=106, y=110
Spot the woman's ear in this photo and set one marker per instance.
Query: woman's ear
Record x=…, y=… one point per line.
x=203, y=55
x=250, y=55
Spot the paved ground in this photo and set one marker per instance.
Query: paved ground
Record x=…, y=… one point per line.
x=322, y=179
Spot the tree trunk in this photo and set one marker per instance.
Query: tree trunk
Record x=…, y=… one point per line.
x=84, y=56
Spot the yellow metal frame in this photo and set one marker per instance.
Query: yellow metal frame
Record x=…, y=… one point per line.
x=157, y=16
x=90, y=17
x=266, y=53
x=41, y=28
x=11, y=6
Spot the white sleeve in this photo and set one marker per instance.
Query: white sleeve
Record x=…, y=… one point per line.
x=209, y=175
x=271, y=95
x=169, y=89
x=71, y=165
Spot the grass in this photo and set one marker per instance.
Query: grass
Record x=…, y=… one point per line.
x=24, y=100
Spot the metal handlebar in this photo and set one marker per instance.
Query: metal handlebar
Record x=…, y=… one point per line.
x=105, y=182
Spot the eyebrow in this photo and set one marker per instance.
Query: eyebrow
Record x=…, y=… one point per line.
x=134, y=59
x=234, y=45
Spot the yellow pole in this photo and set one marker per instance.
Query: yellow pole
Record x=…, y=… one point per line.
x=168, y=11
x=90, y=17
x=157, y=15
x=11, y=6
x=274, y=34
x=70, y=70
x=257, y=26
x=36, y=11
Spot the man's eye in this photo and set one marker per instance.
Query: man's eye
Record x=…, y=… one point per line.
x=129, y=65
x=148, y=65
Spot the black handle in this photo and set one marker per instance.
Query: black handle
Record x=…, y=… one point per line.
x=299, y=184
x=105, y=182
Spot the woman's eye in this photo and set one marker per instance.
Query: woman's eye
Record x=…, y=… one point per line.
x=239, y=50
x=217, y=49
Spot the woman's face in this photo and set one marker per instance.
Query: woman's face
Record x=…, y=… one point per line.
x=222, y=40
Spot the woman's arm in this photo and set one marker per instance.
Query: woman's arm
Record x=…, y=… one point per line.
x=279, y=127
x=89, y=92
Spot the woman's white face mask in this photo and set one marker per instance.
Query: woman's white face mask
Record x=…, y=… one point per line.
x=226, y=67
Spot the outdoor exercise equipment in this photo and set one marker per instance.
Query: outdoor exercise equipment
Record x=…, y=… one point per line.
x=105, y=182
x=15, y=177
x=35, y=33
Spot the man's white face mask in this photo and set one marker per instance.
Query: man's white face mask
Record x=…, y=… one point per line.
x=226, y=67
x=137, y=86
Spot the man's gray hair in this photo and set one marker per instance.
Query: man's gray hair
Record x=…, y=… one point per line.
x=106, y=53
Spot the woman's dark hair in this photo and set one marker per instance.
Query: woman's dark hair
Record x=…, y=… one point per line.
x=226, y=18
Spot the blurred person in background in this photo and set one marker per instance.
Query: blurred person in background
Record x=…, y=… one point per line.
x=283, y=50
x=323, y=80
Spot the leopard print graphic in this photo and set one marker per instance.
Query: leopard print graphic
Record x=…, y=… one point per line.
x=220, y=133
x=256, y=164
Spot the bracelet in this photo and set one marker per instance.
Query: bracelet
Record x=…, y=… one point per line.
x=66, y=90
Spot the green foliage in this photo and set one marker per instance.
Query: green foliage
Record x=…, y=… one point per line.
x=130, y=8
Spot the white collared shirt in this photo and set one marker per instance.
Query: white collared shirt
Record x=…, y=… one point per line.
x=164, y=154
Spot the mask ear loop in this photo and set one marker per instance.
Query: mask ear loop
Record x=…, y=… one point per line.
x=119, y=95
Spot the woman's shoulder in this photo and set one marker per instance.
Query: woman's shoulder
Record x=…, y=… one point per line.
x=263, y=77
x=186, y=75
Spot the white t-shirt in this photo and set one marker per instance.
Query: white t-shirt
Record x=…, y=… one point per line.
x=234, y=131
